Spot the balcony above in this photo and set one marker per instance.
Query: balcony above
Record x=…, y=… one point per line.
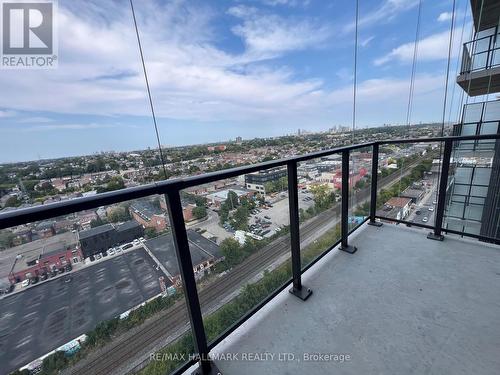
x=402, y=304
x=480, y=82
x=488, y=16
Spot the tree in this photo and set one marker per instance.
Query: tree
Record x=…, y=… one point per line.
x=199, y=212
x=150, y=233
x=6, y=239
x=12, y=202
x=323, y=197
x=119, y=214
x=232, y=251
x=97, y=222
x=240, y=218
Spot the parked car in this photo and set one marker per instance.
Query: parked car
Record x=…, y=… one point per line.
x=118, y=250
x=267, y=217
x=68, y=267
x=34, y=280
x=92, y=258
x=98, y=256
x=111, y=251
x=43, y=277
x=127, y=246
x=425, y=220
x=25, y=283
x=431, y=209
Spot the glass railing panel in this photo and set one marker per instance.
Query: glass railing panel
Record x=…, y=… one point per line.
x=92, y=287
x=320, y=199
x=360, y=167
x=239, y=241
x=408, y=182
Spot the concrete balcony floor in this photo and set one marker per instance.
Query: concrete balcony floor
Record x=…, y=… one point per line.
x=402, y=304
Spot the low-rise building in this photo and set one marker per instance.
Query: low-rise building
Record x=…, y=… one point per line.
x=204, y=254
x=256, y=181
x=44, y=255
x=219, y=197
x=147, y=214
x=101, y=238
x=396, y=208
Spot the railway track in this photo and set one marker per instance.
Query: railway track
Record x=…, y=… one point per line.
x=169, y=322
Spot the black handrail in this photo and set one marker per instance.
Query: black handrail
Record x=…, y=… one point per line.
x=469, y=53
x=172, y=189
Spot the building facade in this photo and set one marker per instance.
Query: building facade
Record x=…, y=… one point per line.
x=473, y=202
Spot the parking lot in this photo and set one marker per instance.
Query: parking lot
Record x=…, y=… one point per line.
x=45, y=316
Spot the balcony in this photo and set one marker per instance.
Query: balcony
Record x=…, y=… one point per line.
x=395, y=299
x=398, y=306
x=480, y=71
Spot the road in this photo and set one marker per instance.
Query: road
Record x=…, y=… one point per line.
x=171, y=323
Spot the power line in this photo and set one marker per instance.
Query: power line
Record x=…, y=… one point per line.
x=148, y=89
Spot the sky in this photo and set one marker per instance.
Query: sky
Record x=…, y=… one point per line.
x=226, y=68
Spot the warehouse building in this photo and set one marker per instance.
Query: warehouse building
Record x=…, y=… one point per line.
x=101, y=238
x=204, y=254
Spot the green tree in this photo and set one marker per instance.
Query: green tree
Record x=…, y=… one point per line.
x=232, y=251
x=150, y=233
x=199, y=212
x=240, y=218
x=119, y=214
x=6, y=239
x=323, y=197
x=13, y=202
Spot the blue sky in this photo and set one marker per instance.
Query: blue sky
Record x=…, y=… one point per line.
x=221, y=69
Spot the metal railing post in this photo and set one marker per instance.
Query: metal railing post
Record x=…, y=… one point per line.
x=443, y=184
x=293, y=201
x=188, y=281
x=345, y=205
x=373, y=199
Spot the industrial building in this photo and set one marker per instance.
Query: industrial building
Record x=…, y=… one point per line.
x=43, y=256
x=101, y=238
x=256, y=181
x=204, y=254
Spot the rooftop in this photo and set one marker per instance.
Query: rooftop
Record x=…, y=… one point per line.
x=408, y=305
x=201, y=250
x=96, y=230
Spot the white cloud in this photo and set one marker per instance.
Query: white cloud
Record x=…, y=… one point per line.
x=100, y=74
x=4, y=113
x=41, y=128
x=433, y=47
x=269, y=35
x=445, y=16
x=387, y=11
x=292, y=3
x=365, y=42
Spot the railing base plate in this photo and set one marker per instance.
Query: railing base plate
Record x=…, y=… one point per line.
x=303, y=293
x=348, y=249
x=432, y=236
x=375, y=223
x=213, y=370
